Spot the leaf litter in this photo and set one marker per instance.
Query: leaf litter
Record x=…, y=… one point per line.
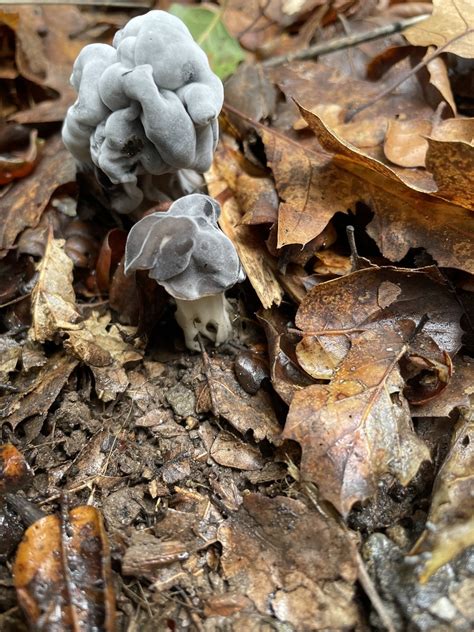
x=326, y=450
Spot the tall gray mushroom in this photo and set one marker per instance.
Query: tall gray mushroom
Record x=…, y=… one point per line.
x=186, y=252
x=146, y=106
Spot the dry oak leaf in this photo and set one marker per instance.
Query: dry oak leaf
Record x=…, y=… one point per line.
x=404, y=217
x=62, y=573
x=48, y=41
x=23, y=204
x=451, y=26
x=378, y=299
x=291, y=562
x=256, y=261
x=101, y=346
x=452, y=165
x=53, y=302
x=358, y=427
x=451, y=515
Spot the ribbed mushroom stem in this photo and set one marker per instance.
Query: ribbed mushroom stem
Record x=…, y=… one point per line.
x=208, y=316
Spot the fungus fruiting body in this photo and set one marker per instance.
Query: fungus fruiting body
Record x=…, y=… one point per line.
x=146, y=106
x=185, y=251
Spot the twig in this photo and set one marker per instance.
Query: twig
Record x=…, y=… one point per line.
x=347, y=41
x=371, y=592
x=260, y=14
x=424, y=62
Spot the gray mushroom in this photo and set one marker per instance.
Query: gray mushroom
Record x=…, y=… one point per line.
x=146, y=106
x=186, y=252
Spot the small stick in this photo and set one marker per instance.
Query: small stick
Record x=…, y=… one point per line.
x=372, y=594
x=347, y=41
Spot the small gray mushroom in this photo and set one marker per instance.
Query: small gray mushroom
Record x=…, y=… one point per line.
x=146, y=106
x=186, y=252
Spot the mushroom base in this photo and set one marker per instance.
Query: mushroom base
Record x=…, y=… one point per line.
x=208, y=316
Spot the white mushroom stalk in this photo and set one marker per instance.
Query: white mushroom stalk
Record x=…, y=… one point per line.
x=185, y=251
x=146, y=106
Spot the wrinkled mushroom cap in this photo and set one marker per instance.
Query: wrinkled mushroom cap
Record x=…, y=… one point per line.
x=146, y=106
x=184, y=249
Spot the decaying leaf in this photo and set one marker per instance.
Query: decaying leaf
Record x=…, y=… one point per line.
x=23, y=205
x=385, y=299
x=37, y=392
x=457, y=394
x=53, y=302
x=14, y=469
x=62, y=572
x=290, y=562
x=406, y=216
x=451, y=20
x=286, y=375
x=18, y=155
x=451, y=516
x=452, y=163
x=102, y=346
x=244, y=411
x=358, y=427
x=256, y=261
x=47, y=43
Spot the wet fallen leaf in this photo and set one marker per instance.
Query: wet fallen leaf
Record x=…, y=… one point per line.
x=53, y=302
x=244, y=411
x=383, y=299
x=62, y=572
x=290, y=562
x=37, y=393
x=17, y=158
x=229, y=451
x=451, y=515
x=15, y=472
x=23, y=205
x=458, y=393
x=451, y=20
x=358, y=427
x=286, y=374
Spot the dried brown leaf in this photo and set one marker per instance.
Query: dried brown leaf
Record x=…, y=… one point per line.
x=357, y=428
x=53, y=302
x=451, y=20
x=229, y=451
x=405, y=217
x=452, y=165
x=290, y=562
x=37, y=392
x=451, y=516
x=257, y=263
x=23, y=204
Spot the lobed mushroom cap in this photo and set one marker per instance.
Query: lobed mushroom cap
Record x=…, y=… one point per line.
x=147, y=105
x=184, y=249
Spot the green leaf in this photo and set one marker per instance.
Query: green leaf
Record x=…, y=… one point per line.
x=207, y=28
